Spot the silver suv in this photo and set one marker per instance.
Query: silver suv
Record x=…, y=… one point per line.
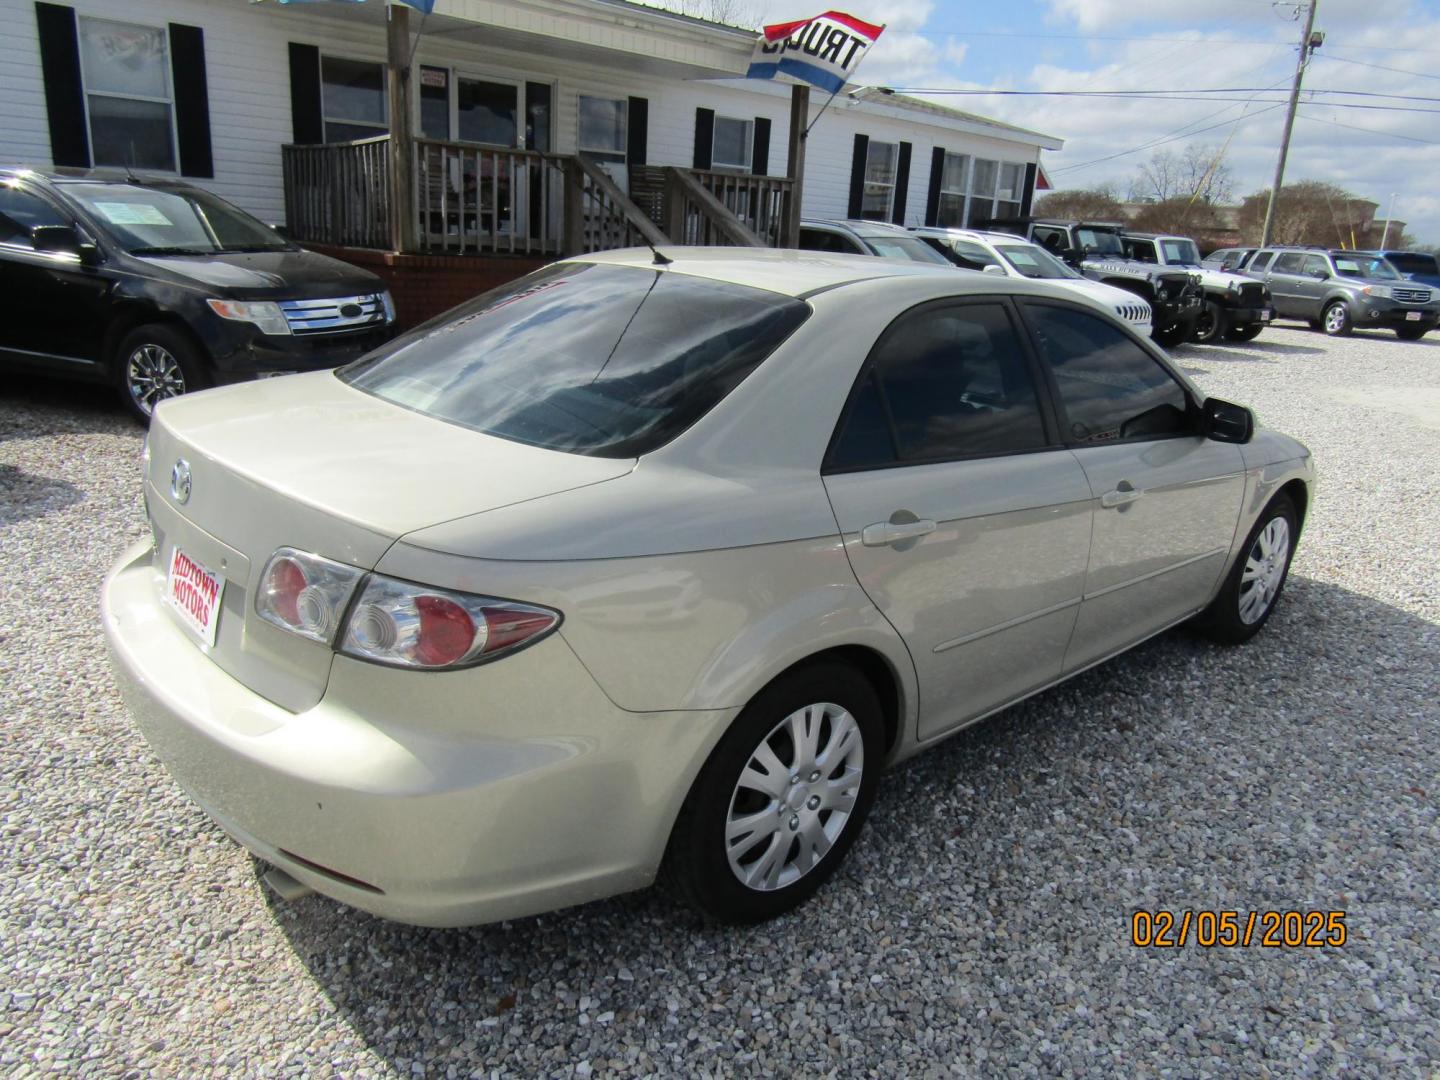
x=1339, y=291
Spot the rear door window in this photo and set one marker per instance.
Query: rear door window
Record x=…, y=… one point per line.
x=589, y=358
x=946, y=381
x=1109, y=387
x=1289, y=263
x=1260, y=262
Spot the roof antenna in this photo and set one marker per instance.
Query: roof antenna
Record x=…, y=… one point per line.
x=659, y=260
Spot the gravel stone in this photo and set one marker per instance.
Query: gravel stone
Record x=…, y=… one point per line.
x=981, y=925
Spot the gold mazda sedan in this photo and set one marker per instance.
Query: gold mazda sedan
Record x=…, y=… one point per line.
x=645, y=560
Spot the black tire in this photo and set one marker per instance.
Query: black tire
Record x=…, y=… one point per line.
x=1244, y=333
x=1411, y=333
x=1336, y=320
x=1212, y=324
x=698, y=861
x=143, y=362
x=1171, y=335
x=1225, y=620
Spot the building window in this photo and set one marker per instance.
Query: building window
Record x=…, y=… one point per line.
x=952, y=190
x=982, y=192
x=435, y=102
x=352, y=99
x=881, y=160
x=1010, y=192
x=126, y=71
x=996, y=191
x=731, y=146
x=602, y=128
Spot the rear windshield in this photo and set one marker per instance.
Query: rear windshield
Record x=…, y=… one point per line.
x=610, y=361
x=1414, y=262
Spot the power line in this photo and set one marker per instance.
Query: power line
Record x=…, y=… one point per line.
x=1379, y=67
x=1368, y=131
x=1149, y=93
x=1173, y=137
x=1113, y=37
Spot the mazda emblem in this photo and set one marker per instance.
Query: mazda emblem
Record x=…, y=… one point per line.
x=180, y=481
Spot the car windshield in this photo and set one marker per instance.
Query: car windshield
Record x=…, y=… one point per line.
x=1414, y=262
x=905, y=247
x=1034, y=262
x=589, y=358
x=1370, y=267
x=173, y=220
x=1182, y=252
x=1099, y=242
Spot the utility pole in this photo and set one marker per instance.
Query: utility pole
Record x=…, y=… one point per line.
x=1384, y=236
x=1307, y=45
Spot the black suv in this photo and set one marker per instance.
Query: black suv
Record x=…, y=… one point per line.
x=1338, y=291
x=160, y=288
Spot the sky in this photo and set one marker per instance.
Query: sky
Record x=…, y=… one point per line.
x=1372, y=47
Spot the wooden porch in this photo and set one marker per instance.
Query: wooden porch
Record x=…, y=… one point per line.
x=474, y=200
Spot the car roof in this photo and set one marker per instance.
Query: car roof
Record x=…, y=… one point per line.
x=61, y=175
x=972, y=234
x=858, y=226
x=786, y=271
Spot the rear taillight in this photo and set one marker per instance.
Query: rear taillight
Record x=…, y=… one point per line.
x=392, y=622
x=305, y=593
x=395, y=622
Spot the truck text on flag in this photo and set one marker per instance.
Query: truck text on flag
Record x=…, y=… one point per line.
x=823, y=51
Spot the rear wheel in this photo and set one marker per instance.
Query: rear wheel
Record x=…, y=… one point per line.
x=1336, y=321
x=1254, y=583
x=782, y=797
x=1411, y=333
x=1211, y=325
x=156, y=362
x=1244, y=333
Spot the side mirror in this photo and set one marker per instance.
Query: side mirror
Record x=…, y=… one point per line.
x=1225, y=422
x=994, y=268
x=1320, y=275
x=63, y=240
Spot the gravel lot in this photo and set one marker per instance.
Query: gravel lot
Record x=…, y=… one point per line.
x=981, y=924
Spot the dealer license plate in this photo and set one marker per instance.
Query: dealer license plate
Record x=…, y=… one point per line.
x=1264, y=316
x=194, y=593
x=1412, y=316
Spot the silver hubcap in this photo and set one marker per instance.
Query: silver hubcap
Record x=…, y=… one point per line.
x=152, y=374
x=1335, y=318
x=794, y=797
x=1264, y=570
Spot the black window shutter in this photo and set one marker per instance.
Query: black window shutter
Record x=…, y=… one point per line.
x=704, y=137
x=637, y=131
x=192, y=100
x=857, y=175
x=64, y=92
x=1027, y=197
x=937, y=175
x=902, y=184
x=305, y=119
x=760, y=151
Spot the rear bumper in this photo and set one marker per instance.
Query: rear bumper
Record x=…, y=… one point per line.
x=440, y=799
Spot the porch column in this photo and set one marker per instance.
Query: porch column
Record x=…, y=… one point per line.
x=795, y=163
x=402, y=144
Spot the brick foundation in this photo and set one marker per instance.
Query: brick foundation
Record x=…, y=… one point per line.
x=425, y=285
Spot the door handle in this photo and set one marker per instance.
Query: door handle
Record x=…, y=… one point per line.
x=1124, y=494
x=888, y=532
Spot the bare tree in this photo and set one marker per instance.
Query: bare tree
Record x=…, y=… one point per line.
x=1095, y=204
x=1198, y=174
x=731, y=12
x=1315, y=212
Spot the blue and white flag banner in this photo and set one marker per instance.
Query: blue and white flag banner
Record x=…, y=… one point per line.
x=823, y=51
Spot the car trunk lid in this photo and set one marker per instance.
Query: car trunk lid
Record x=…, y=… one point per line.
x=310, y=463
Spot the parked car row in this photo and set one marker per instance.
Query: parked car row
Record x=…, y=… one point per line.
x=1339, y=290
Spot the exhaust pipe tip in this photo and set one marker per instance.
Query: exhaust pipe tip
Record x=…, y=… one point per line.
x=285, y=886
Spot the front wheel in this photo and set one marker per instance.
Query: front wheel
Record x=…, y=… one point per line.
x=1253, y=586
x=782, y=797
x=1336, y=321
x=156, y=362
x=1411, y=333
x=1211, y=325
x=1244, y=333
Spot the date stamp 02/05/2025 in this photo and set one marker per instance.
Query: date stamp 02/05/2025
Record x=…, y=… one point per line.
x=1238, y=929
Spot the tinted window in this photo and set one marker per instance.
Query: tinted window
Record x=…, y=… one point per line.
x=945, y=382
x=1143, y=250
x=1289, y=263
x=970, y=256
x=1316, y=264
x=824, y=240
x=1053, y=239
x=1110, y=388
x=593, y=359
x=1260, y=262
x=20, y=212
x=1414, y=262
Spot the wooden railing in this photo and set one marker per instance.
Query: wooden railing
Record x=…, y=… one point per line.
x=339, y=193
x=475, y=200
x=758, y=201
